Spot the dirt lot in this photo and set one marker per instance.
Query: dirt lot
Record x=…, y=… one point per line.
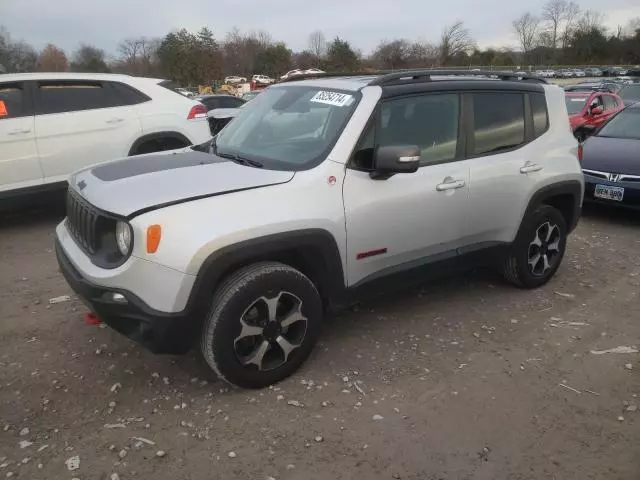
x=463, y=379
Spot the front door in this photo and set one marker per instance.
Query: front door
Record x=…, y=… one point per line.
x=19, y=165
x=410, y=218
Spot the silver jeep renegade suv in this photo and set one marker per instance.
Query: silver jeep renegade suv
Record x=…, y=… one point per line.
x=311, y=196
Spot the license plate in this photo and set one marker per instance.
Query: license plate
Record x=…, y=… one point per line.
x=609, y=193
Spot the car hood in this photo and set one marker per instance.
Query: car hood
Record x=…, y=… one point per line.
x=135, y=185
x=612, y=155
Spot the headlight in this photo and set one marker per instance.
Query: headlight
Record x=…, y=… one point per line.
x=124, y=237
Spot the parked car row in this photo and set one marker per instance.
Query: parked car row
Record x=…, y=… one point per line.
x=586, y=72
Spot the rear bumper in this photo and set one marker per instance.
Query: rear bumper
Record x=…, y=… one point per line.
x=160, y=332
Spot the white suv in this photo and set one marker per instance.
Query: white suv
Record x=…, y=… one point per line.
x=312, y=197
x=262, y=79
x=52, y=124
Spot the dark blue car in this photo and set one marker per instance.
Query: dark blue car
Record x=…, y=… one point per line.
x=611, y=161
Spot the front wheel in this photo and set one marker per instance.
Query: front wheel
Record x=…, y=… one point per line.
x=264, y=322
x=537, y=252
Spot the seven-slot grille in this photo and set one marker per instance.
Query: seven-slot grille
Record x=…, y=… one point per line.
x=82, y=220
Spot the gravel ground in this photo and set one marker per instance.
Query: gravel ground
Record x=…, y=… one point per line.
x=467, y=378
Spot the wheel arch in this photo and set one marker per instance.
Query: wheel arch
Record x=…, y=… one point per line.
x=156, y=136
x=566, y=196
x=314, y=252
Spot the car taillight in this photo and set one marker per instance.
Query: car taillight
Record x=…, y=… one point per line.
x=580, y=153
x=197, y=112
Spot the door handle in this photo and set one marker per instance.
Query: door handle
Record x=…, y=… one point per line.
x=449, y=184
x=19, y=131
x=115, y=120
x=531, y=167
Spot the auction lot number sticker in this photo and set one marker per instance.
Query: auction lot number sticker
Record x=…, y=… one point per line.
x=332, y=98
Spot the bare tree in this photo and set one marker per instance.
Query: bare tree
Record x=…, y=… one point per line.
x=317, y=44
x=632, y=26
x=136, y=54
x=590, y=20
x=455, y=39
x=554, y=12
x=526, y=28
x=571, y=15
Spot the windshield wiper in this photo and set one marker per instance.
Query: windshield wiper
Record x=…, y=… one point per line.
x=241, y=160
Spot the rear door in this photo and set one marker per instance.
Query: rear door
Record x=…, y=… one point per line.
x=506, y=167
x=79, y=123
x=19, y=165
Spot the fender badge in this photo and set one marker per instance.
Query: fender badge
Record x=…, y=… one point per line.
x=82, y=184
x=332, y=180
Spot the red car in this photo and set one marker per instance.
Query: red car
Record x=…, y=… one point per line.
x=591, y=108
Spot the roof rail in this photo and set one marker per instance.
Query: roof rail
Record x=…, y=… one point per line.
x=423, y=75
x=307, y=76
x=419, y=75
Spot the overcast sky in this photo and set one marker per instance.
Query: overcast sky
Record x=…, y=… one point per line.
x=364, y=23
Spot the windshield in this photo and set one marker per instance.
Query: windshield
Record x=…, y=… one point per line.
x=288, y=128
x=630, y=92
x=624, y=125
x=575, y=103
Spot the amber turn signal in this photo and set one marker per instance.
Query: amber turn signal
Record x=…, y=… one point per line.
x=154, y=233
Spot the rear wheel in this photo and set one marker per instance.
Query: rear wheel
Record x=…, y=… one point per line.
x=537, y=252
x=263, y=324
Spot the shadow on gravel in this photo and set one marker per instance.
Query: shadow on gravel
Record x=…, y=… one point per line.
x=47, y=209
x=611, y=214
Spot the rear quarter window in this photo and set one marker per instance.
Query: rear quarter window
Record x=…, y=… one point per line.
x=171, y=86
x=539, y=113
x=128, y=94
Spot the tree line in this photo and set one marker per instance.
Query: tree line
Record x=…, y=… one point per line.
x=560, y=34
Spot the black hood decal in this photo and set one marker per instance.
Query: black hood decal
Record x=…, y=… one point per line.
x=133, y=166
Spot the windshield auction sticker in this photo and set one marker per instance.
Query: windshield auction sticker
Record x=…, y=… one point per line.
x=332, y=98
x=3, y=109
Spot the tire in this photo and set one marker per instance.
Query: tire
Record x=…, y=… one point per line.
x=236, y=352
x=517, y=268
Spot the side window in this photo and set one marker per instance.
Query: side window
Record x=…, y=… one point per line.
x=12, y=101
x=498, y=120
x=597, y=101
x=129, y=95
x=363, y=154
x=539, y=113
x=428, y=121
x=609, y=102
x=65, y=96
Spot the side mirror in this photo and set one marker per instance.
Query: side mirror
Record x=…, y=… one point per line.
x=597, y=110
x=583, y=132
x=395, y=159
